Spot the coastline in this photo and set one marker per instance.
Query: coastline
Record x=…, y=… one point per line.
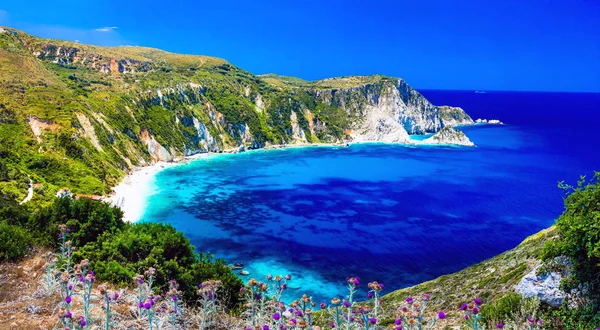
x=131, y=194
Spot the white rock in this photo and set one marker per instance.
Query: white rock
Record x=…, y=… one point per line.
x=546, y=287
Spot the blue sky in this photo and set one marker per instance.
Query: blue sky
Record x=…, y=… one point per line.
x=543, y=45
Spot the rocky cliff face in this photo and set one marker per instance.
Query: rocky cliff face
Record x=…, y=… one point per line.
x=454, y=116
x=449, y=136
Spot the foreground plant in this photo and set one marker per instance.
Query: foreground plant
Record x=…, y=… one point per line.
x=412, y=315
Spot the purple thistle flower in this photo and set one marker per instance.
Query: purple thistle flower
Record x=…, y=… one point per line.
x=60, y=235
x=174, y=298
x=332, y=324
x=531, y=320
x=464, y=307
x=500, y=325
x=82, y=322
x=276, y=316
x=68, y=299
x=398, y=322
x=288, y=277
x=265, y=327
x=200, y=286
x=210, y=296
x=467, y=317
x=347, y=304
x=258, y=296
x=293, y=321
x=68, y=230
x=323, y=305
x=116, y=295
x=81, y=278
x=426, y=296
x=475, y=310
x=441, y=315
x=409, y=300
x=370, y=295
x=399, y=327
x=141, y=305
x=68, y=315
x=372, y=320
x=477, y=301
x=147, y=305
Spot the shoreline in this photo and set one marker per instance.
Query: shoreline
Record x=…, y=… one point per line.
x=131, y=194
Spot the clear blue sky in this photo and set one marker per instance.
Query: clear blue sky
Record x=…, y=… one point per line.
x=539, y=45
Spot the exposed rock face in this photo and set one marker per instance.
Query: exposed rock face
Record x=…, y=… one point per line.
x=454, y=116
x=392, y=98
x=546, y=287
x=449, y=135
x=155, y=149
x=88, y=130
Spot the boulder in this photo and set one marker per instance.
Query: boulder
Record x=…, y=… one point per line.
x=546, y=287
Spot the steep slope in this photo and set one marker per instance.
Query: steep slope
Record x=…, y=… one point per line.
x=454, y=116
x=81, y=115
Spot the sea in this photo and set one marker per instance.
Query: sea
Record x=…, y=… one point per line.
x=396, y=214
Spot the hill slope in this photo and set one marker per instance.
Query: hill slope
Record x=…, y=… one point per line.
x=81, y=115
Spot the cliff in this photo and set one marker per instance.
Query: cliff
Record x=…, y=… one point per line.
x=451, y=136
x=104, y=110
x=454, y=116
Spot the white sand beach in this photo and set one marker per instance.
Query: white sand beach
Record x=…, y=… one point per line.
x=131, y=194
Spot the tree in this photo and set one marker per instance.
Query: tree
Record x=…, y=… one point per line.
x=578, y=231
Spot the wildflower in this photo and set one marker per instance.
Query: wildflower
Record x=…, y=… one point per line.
x=276, y=316
x=288, y=277
x=531, y=320
x=323, y=305
x=82, y=321
x=147, y=305
x=475, y=310
x=409, y=300
x=269, y=277
x=116, y=296
x=426, y=296
x=335, y=301
x=398, y=322
x=477, y=301
x=68, y=315
x=347, y=304
x=174, y=298
x=399, y=327
x=68, y=230
x=265, y=327
x=68, y=299
x=441, y=315
x=467, y=317
x=464, y=307
x=370, y=295
x=500, y=325
x=332, y=325
x=372, y=320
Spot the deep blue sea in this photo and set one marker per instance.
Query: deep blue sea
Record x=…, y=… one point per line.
x=400, y=215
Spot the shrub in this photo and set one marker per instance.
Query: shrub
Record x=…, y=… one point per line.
x=578, y=231
x=117, y=256
x=15, y=242
x=87, y=219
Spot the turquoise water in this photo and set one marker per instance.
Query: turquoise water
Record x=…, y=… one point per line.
x=397, y=214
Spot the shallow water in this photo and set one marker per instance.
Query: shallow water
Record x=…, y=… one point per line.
x=400, y=215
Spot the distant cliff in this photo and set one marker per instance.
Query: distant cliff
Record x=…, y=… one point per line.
x=110, y=108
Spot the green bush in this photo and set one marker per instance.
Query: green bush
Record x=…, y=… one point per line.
x=565, y=318
x=117, y=257
x=15, y=242
x=578, y=236
x=87, y=219
x=511, y=309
